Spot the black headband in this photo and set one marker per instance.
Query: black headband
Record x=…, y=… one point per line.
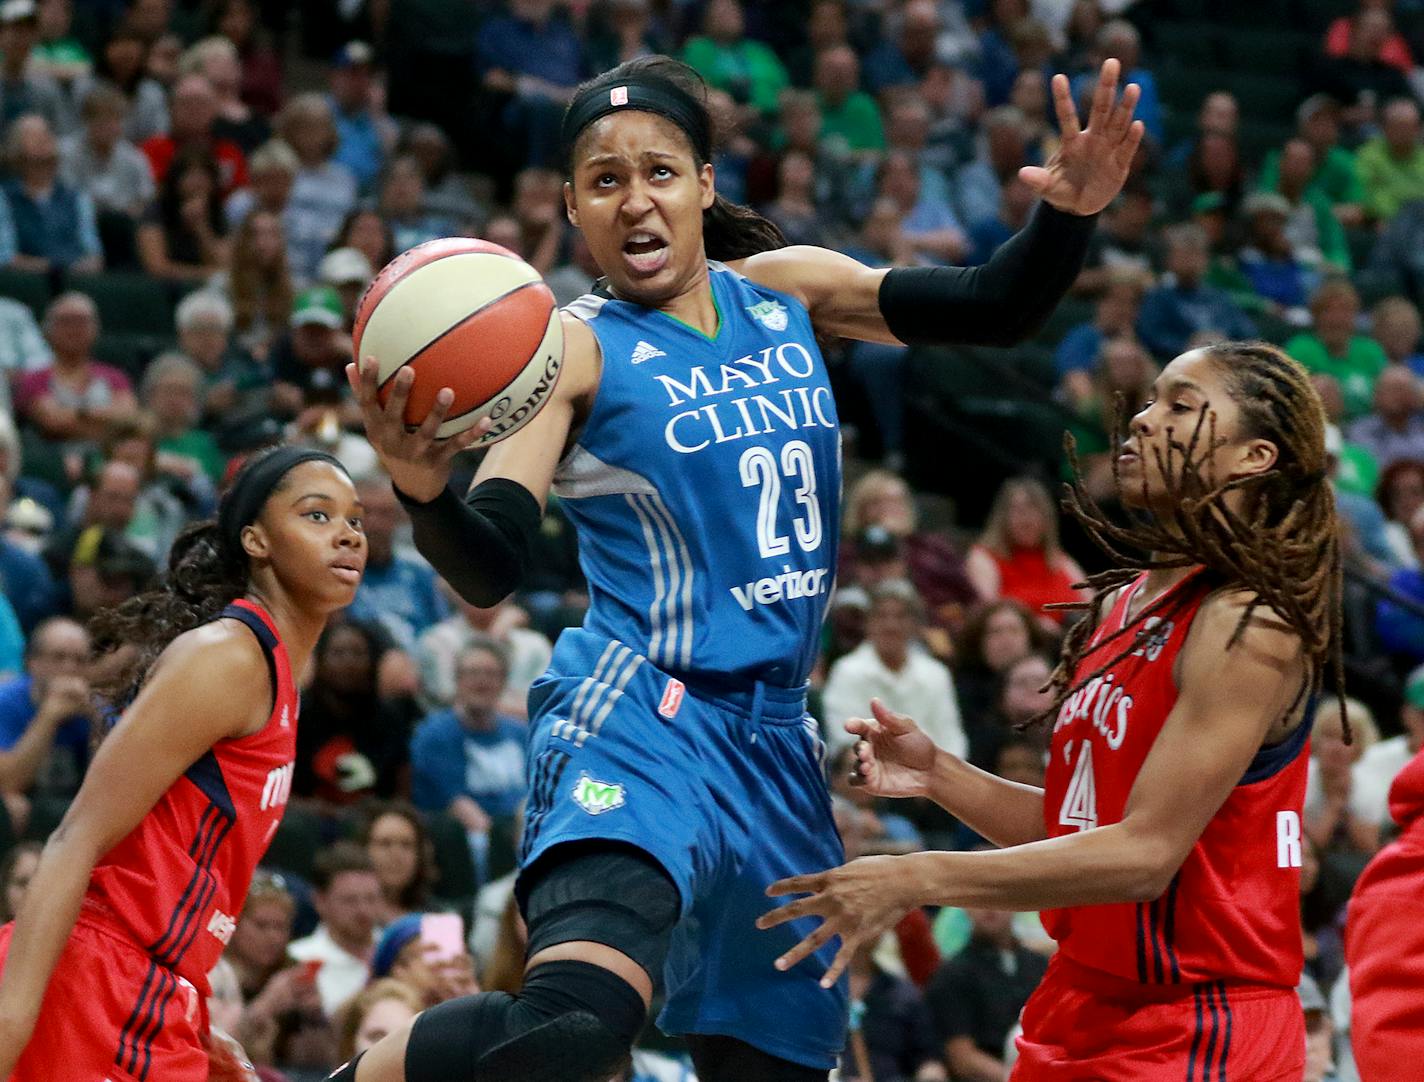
x=243, y=502
x=646, y=93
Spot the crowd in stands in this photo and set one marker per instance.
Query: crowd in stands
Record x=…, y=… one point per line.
x=194, y=193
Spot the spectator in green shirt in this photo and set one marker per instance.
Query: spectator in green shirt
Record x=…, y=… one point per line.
x=728, y=60
x=1335, y=176
x=1391, y=165
x=1311, y=225
x=1333, y=348
x=850, y=115
x=171, y=391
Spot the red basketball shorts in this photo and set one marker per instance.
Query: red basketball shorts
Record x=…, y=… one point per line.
x=111, y=1015
x=1384, y=945
x=1086, y=1027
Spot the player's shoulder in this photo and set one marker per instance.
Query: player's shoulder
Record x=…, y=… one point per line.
x=796, y=270
x=583, y=357
x=222, y=653
x=1234, y=615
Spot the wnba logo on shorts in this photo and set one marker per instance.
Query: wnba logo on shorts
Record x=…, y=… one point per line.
x=672, y=698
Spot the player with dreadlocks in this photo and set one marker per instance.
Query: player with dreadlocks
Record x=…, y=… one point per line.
x=1165, y=845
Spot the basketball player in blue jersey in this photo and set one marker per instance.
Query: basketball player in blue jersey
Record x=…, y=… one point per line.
x=693, y=440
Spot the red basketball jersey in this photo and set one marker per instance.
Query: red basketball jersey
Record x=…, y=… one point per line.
x=177, y=883
x=1232, y=912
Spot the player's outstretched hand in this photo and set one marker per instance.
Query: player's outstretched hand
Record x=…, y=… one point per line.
x=416, y=460
x=893, y=757
x=1090, y=165
x=857, y=901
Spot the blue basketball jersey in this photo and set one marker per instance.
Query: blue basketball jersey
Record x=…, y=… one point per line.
x=705, y=485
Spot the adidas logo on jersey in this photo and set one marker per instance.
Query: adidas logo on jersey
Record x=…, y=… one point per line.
x=646, y=351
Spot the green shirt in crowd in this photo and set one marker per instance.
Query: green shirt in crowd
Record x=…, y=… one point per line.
x=1335, y=178
x=202, y=448
x=1356, y=371
x=855, y=120
x=1389, y=183
x=748, y=65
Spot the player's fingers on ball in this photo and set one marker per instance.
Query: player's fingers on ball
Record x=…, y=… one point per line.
x=463, y=441
x=807, y=947
x=429, y=428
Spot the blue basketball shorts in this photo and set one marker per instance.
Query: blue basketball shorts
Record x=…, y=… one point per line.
x=728, y=794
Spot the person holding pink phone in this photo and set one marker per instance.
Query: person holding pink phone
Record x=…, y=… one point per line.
x=427, y=952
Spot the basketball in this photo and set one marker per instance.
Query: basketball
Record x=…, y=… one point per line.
x=468, y=315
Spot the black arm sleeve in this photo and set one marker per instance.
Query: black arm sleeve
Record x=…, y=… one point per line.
x=479, y=545
x=999, y=303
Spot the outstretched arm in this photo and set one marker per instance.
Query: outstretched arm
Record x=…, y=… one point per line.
x=1006, y=299
x=1228, y=702
x=172, y=722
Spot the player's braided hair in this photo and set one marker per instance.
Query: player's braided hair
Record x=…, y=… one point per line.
x=1280, y=544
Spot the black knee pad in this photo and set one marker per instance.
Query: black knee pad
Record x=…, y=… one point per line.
x=727, y=1059
x=572, y=1022
x=605, y=893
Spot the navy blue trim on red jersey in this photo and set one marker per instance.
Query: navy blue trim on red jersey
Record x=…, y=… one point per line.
x=1271, y=760
x=1196, y=1036
x=136, y=1038
x=1157, y=921
x=1210, y=996
x=183, y=927
x=265, y=638
x=207, y=775
x=1169, y=927
x=1226, y=1040
x=1141, y=944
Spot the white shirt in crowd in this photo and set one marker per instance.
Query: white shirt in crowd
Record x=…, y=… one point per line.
x=922, y=688
x=1372, y=776
x=341, y=975
x=437, y=649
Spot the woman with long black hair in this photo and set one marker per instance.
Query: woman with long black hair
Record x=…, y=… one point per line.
x=103, y=974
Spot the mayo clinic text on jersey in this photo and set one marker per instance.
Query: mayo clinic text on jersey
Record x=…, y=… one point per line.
x=731, y=419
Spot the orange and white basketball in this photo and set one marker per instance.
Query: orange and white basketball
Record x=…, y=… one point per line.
x=468, y=315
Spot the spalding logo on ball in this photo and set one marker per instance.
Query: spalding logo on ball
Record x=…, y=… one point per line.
x=468, y=315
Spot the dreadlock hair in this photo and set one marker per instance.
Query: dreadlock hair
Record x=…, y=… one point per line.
x=729, y=230
x=1281, y=544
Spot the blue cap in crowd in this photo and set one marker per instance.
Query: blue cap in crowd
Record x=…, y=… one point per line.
x=393, y=940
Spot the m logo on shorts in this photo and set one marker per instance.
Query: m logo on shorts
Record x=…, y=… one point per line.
x=672, y=698
x=597, y=797
x=772, y=314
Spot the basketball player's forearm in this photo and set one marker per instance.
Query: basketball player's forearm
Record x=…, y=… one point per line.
x=999, y=303
x=1096, y=867
x=42, y=927
x=1005, y=812
x=480, y=545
